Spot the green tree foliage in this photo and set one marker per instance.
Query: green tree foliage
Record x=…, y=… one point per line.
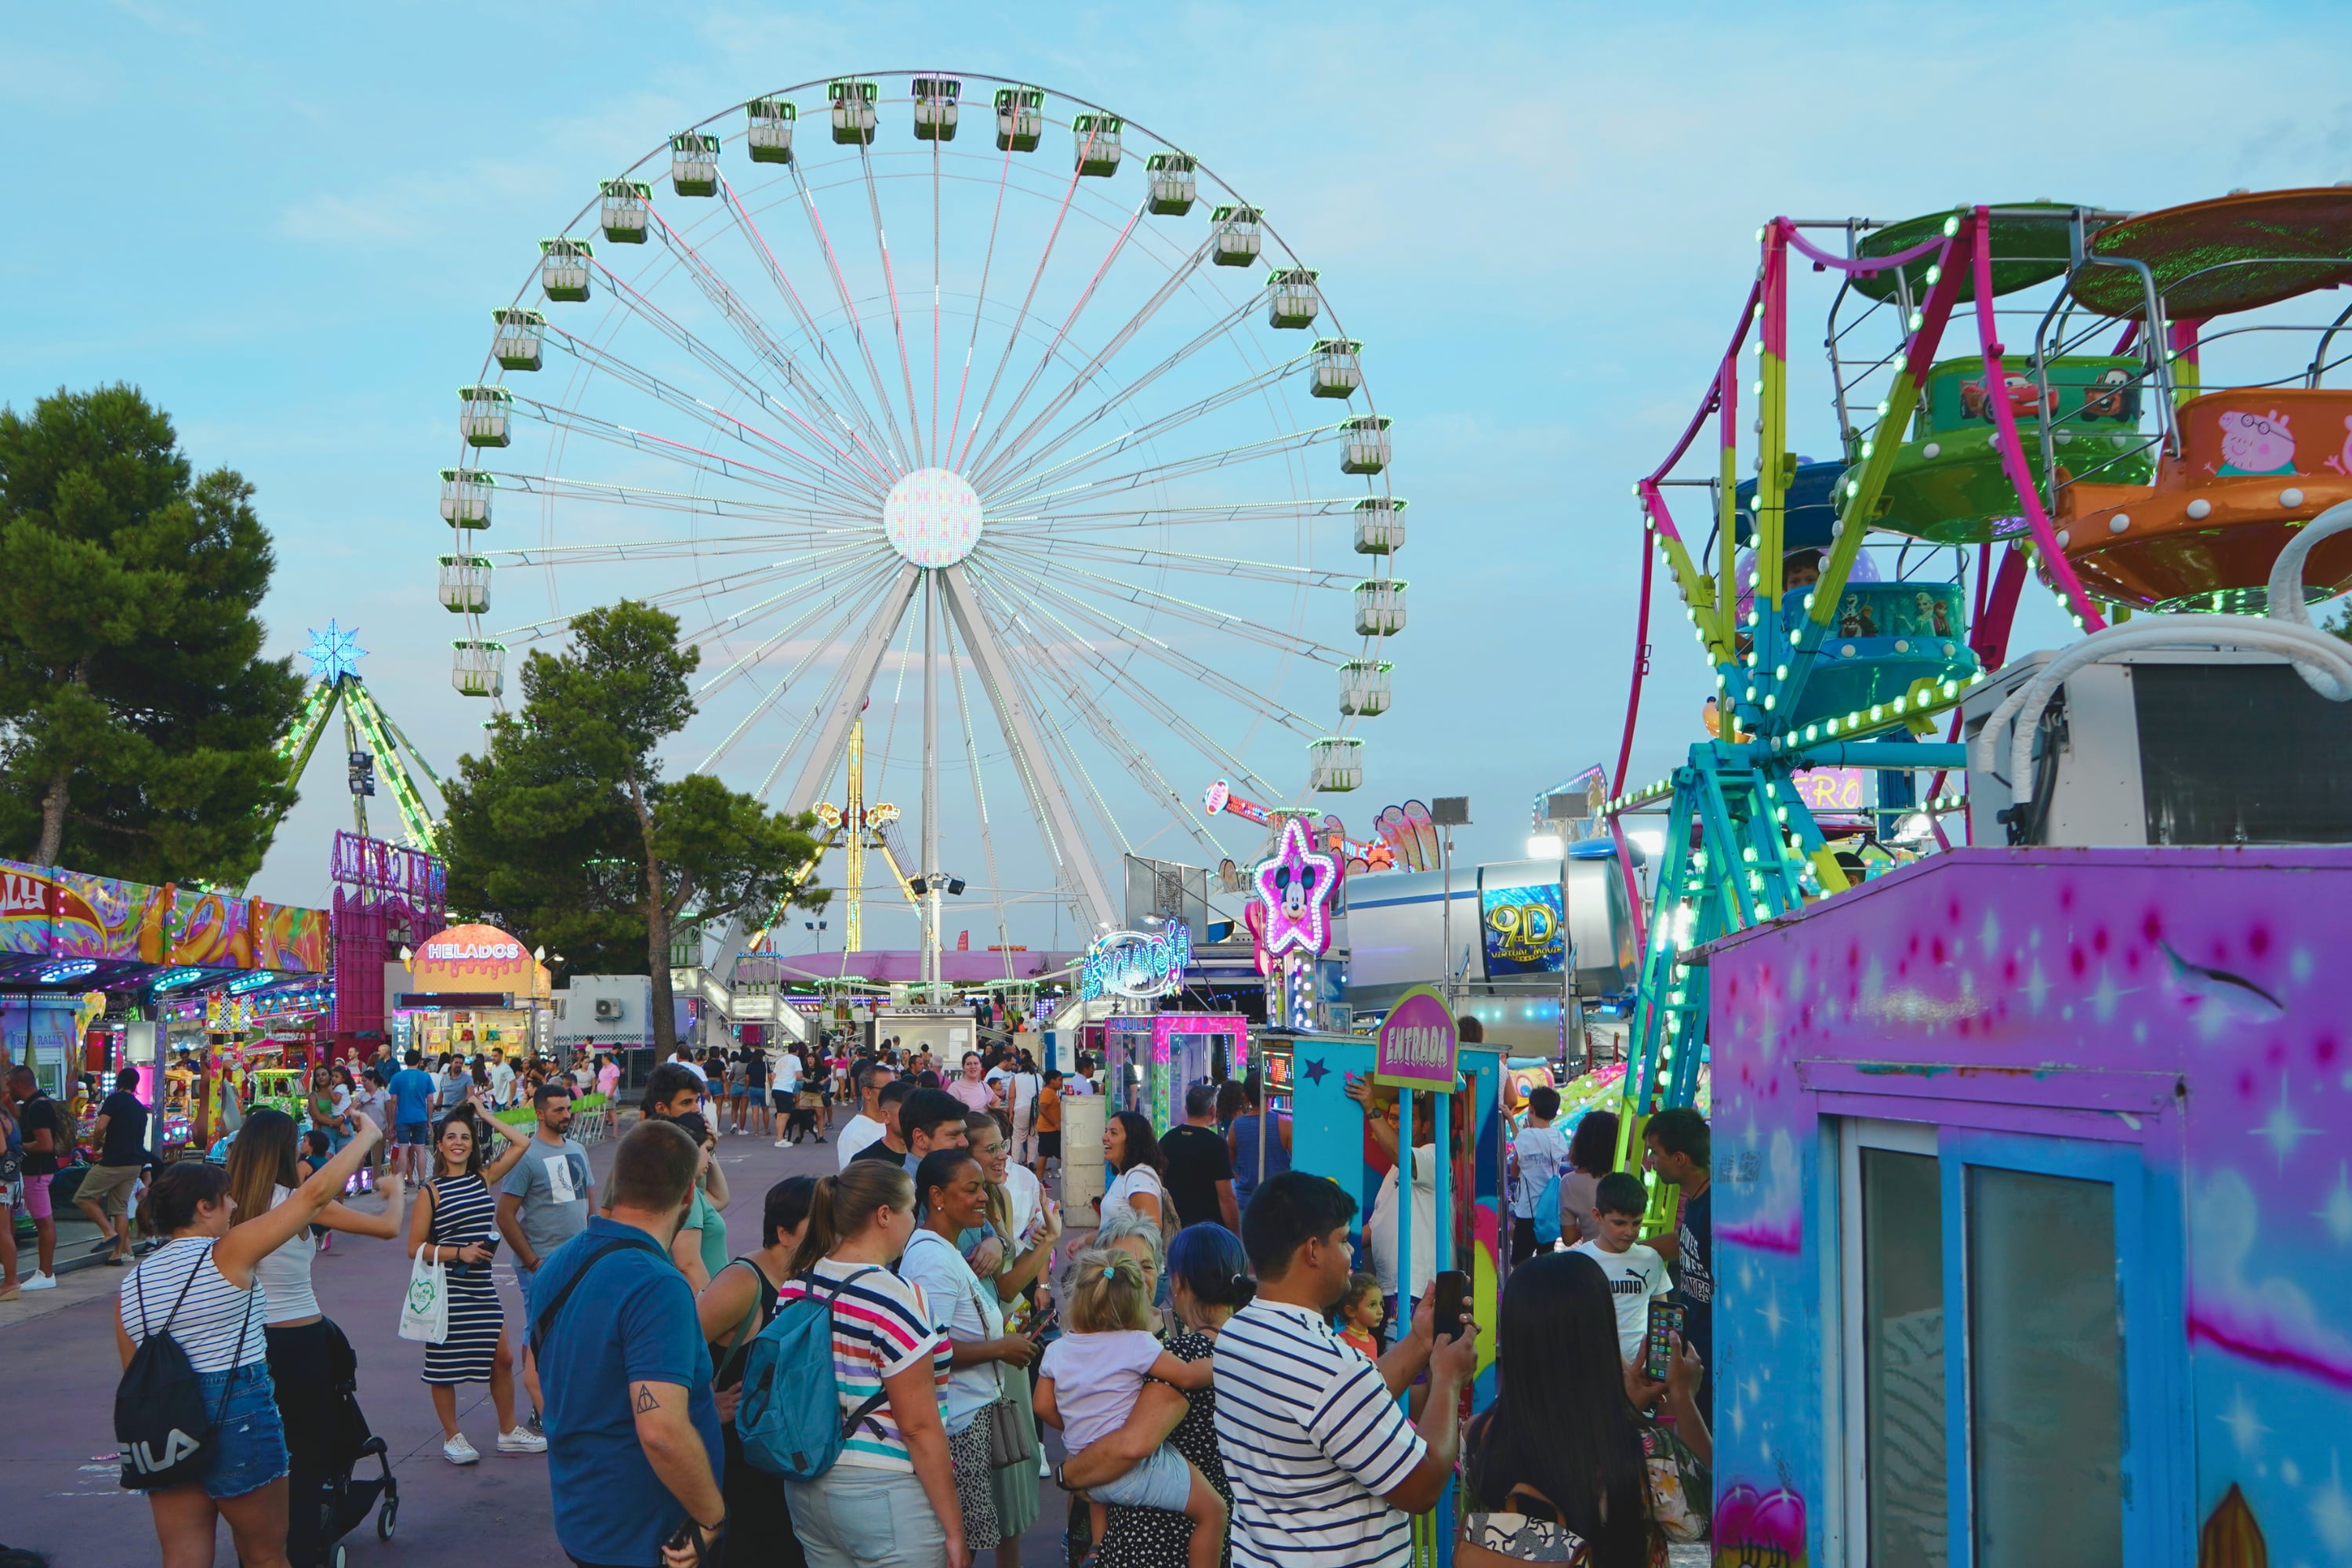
x=565, y=832
x=2340, y=624
x=138, y=722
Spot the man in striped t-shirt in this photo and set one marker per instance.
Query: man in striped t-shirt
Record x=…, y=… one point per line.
x=1323, y=1465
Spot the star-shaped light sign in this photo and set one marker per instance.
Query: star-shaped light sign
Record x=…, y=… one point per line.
x=1296, y=889
x=333, y=653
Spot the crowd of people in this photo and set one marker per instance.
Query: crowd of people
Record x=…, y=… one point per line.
x=1230, y=1382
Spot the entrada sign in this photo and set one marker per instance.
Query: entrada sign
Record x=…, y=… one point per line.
x=1139, y=964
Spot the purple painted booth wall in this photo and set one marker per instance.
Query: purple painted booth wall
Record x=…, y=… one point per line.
x=2192, y=1005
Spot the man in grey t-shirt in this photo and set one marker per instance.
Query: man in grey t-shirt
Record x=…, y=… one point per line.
x=544, y=1202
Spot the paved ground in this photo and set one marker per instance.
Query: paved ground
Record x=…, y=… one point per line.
x=56, y=1447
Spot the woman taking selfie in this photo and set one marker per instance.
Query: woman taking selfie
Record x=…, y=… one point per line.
x=455, y=1224
x=202, y=1285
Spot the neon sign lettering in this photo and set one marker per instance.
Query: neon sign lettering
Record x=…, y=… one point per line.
x=1136, y=963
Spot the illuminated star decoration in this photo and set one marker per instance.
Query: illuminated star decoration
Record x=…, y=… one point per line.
x=1314, y=875
x=1315, y=1071
x=333, y=654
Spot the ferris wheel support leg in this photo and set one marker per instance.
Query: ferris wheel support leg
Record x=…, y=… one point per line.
x=846, y=698
x=1079, y=872
x=930, y=868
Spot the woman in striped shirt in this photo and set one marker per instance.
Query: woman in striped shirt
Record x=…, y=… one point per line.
x=890, y=1501
x=201, y=1286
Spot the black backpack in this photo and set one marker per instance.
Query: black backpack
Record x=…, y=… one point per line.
x=166, y=1436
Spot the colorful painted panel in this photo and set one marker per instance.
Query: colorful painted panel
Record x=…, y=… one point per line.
x=289, y=939
x=2180, y=1014
x=23, y=908
x=212, y=932
x=99, y=917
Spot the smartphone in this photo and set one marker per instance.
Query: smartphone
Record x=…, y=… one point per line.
x=1452, y=1312
x=1666, y=1319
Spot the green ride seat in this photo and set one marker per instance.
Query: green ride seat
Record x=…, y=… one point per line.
x=1948, y=485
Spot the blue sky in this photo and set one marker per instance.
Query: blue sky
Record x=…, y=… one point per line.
x=285, y=224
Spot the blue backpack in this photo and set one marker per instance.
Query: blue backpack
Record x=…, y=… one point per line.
x=1547, y=1220
x=790, y=1419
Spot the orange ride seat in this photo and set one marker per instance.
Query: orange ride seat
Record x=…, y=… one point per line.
x=2255, y=464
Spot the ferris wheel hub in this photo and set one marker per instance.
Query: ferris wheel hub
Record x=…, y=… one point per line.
x=932, y=518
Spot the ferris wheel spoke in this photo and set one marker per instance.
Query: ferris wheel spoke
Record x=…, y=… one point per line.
x=753, y=331
x=1013, y=333
x=891, y=284
x=1204, y=565
x=971, y=766
x=1027, y=493
x=819, y=344
x=680, y=452
x=566, y=555
x=855, y=468
x=800, y=586
x=1145, y=698
x=1184, y=664
x=981, y=462
x=664, y=599
x=820, y=471
x=1119, y=340
x=844, y=698
x=1076, y=867
x=905, y=456
x=844, y=607
x=979, y=305
x=826, y=520
x=1211, y=335
x=852, y=588
x=1057, y=576
x=1056, y=743
x=1053, y=524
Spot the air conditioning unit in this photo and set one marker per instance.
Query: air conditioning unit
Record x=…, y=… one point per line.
x=608, y=1009
x=2165, y=746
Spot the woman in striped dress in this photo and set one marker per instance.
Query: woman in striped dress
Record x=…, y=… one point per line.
x=456, y=1224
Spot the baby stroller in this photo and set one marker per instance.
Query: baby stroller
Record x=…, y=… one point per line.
x=329, y=1439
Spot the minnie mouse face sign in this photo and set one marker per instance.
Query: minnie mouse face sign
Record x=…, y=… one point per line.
x=1296, y=890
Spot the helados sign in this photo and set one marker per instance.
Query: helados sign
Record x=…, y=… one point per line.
x=1139, y=964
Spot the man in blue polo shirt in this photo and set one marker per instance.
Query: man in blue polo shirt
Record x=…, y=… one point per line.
x=633, y=1439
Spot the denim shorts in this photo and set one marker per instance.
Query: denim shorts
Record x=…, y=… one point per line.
x=252, y=1451
x=1162, y=1481
x=417, y=1132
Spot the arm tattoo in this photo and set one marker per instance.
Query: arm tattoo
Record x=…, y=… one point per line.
x=645, y=1400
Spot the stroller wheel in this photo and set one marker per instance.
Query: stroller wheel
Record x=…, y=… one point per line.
x=384, y=1517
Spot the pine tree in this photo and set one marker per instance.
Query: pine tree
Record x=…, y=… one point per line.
x=565, y=832
x=138, y=722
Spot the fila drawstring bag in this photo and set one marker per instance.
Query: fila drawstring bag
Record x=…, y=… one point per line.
x=167, y=1436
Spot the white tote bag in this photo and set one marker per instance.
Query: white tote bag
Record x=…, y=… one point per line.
x=424, y=1310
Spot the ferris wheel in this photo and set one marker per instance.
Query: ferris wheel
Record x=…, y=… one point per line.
x=1019, y=443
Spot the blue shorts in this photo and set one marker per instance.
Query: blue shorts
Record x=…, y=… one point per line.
x=252, y=1441
x=1162, y=1481
x=417, y=1133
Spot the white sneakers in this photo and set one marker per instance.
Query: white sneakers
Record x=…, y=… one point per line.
x=521, y=1440
x=40, y=1281
x=783, y=1142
